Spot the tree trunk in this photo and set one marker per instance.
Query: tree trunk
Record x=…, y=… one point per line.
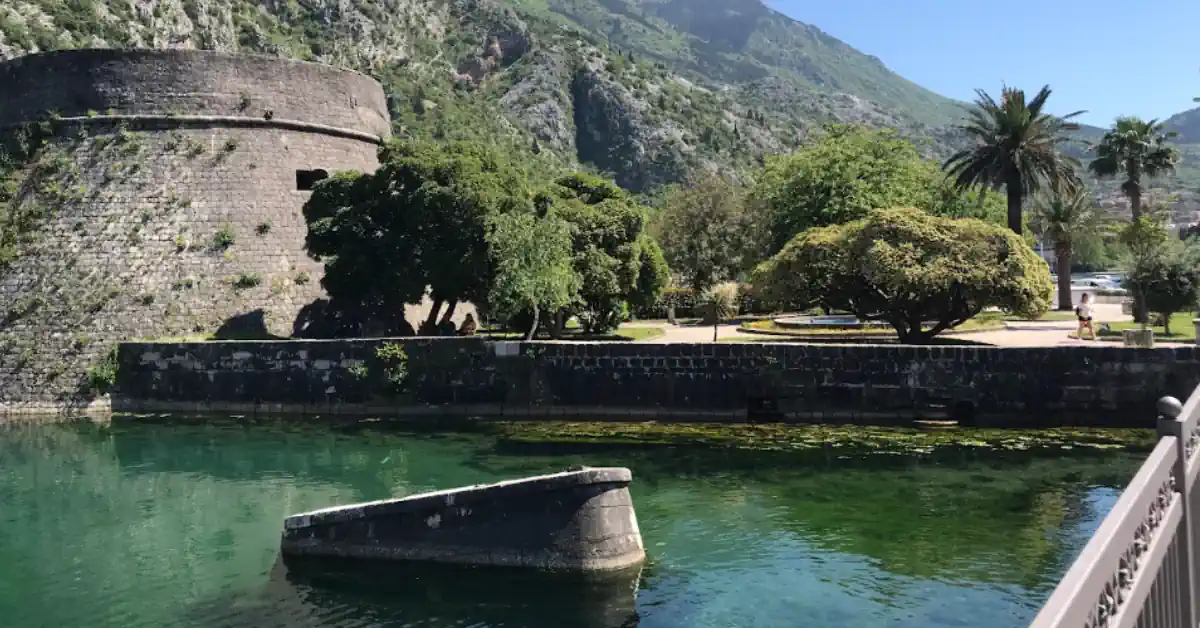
x=449, y=315
x=1135, y=202
x=1166, y=323
x=558, y=324
x=915, y=336
x=1063, y=253
x=431, y=320
x=533, y=326
x=1013, y=188
x=1140, y=315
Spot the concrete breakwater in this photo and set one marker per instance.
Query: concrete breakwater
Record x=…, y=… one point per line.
x=578, y=521
x=791, y=382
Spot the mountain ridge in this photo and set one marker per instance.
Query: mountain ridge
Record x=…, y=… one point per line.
x=649, y=92
x=1186, y=124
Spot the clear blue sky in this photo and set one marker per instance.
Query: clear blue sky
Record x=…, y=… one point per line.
x=1110, y=57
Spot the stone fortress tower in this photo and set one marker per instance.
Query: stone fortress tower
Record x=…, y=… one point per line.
x=165, y=189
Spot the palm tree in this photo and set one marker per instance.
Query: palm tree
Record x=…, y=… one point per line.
x=1064, y=218
x=1016, y=148
x=1135, y=148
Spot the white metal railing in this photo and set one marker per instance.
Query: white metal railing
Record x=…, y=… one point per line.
x=1139, y=567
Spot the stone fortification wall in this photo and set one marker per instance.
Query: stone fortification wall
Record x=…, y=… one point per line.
x=1044, y=386
x=91, y=83
x=167, y=203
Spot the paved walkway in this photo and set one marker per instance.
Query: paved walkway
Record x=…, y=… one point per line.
x=1015, y=334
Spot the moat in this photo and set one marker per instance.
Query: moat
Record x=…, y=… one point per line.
x=143, y=523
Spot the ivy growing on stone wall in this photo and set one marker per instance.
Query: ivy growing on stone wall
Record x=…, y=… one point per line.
x=245, y=281
x=102, y=376
x=223, y=238
x=392, y=357
x=34, y=181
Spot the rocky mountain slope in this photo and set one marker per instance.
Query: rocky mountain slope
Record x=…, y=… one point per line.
x=648, y=91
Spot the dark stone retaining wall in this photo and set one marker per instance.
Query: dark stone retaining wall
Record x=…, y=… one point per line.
x=470, y=376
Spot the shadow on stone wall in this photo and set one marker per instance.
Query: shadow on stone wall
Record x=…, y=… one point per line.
x=249, y=326
x=323, y=319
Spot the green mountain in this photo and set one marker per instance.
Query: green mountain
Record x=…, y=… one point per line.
x=648, y=91
x=1187, y=125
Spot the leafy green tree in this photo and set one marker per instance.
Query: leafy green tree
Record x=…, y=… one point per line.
x=608, y=240
x=705, y=232
x=922, y=274
x=450, y=190
x=370, y=247
x=849, y=171
x=1135, y=148
x=1168, y=284
x=1016, y=149
x=1065, y=219
x=533, y=271
x=1097, y=251
x=653, y=275
x=419, y=222
x=1148, y=243
x=951, y=201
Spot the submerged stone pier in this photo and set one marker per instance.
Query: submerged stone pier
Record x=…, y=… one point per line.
x=578, y=521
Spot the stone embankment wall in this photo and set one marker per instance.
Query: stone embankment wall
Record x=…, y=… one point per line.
x=471, y=376
x=169, y=200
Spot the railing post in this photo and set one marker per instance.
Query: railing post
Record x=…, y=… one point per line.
x=1170, y=423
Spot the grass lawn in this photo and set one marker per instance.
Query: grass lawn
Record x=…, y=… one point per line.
x=640, y=333
x=1181, y=329
x=1052, y=315
x=987, y=321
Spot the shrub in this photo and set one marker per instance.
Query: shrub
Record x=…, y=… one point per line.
x=246, y=280
x=1167, y=284
x=720, y=302
x=102, y=376
x=263, y=228
x=223, y=238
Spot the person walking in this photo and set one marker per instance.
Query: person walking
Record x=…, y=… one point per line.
x=1084, y=313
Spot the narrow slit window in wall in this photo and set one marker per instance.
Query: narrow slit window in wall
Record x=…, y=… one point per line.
x=307, y=179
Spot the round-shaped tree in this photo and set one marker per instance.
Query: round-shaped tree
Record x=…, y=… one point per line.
x=922, y=274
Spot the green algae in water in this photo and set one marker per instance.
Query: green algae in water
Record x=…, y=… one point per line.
x=851, y=439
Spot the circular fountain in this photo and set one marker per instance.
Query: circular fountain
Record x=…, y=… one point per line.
x=831, y=322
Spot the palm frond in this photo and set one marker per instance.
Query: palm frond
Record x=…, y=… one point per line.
x=1134, y=147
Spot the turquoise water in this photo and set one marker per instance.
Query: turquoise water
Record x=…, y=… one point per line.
x=143, y=524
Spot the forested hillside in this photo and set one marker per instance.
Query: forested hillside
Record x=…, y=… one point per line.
x=647, y=91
